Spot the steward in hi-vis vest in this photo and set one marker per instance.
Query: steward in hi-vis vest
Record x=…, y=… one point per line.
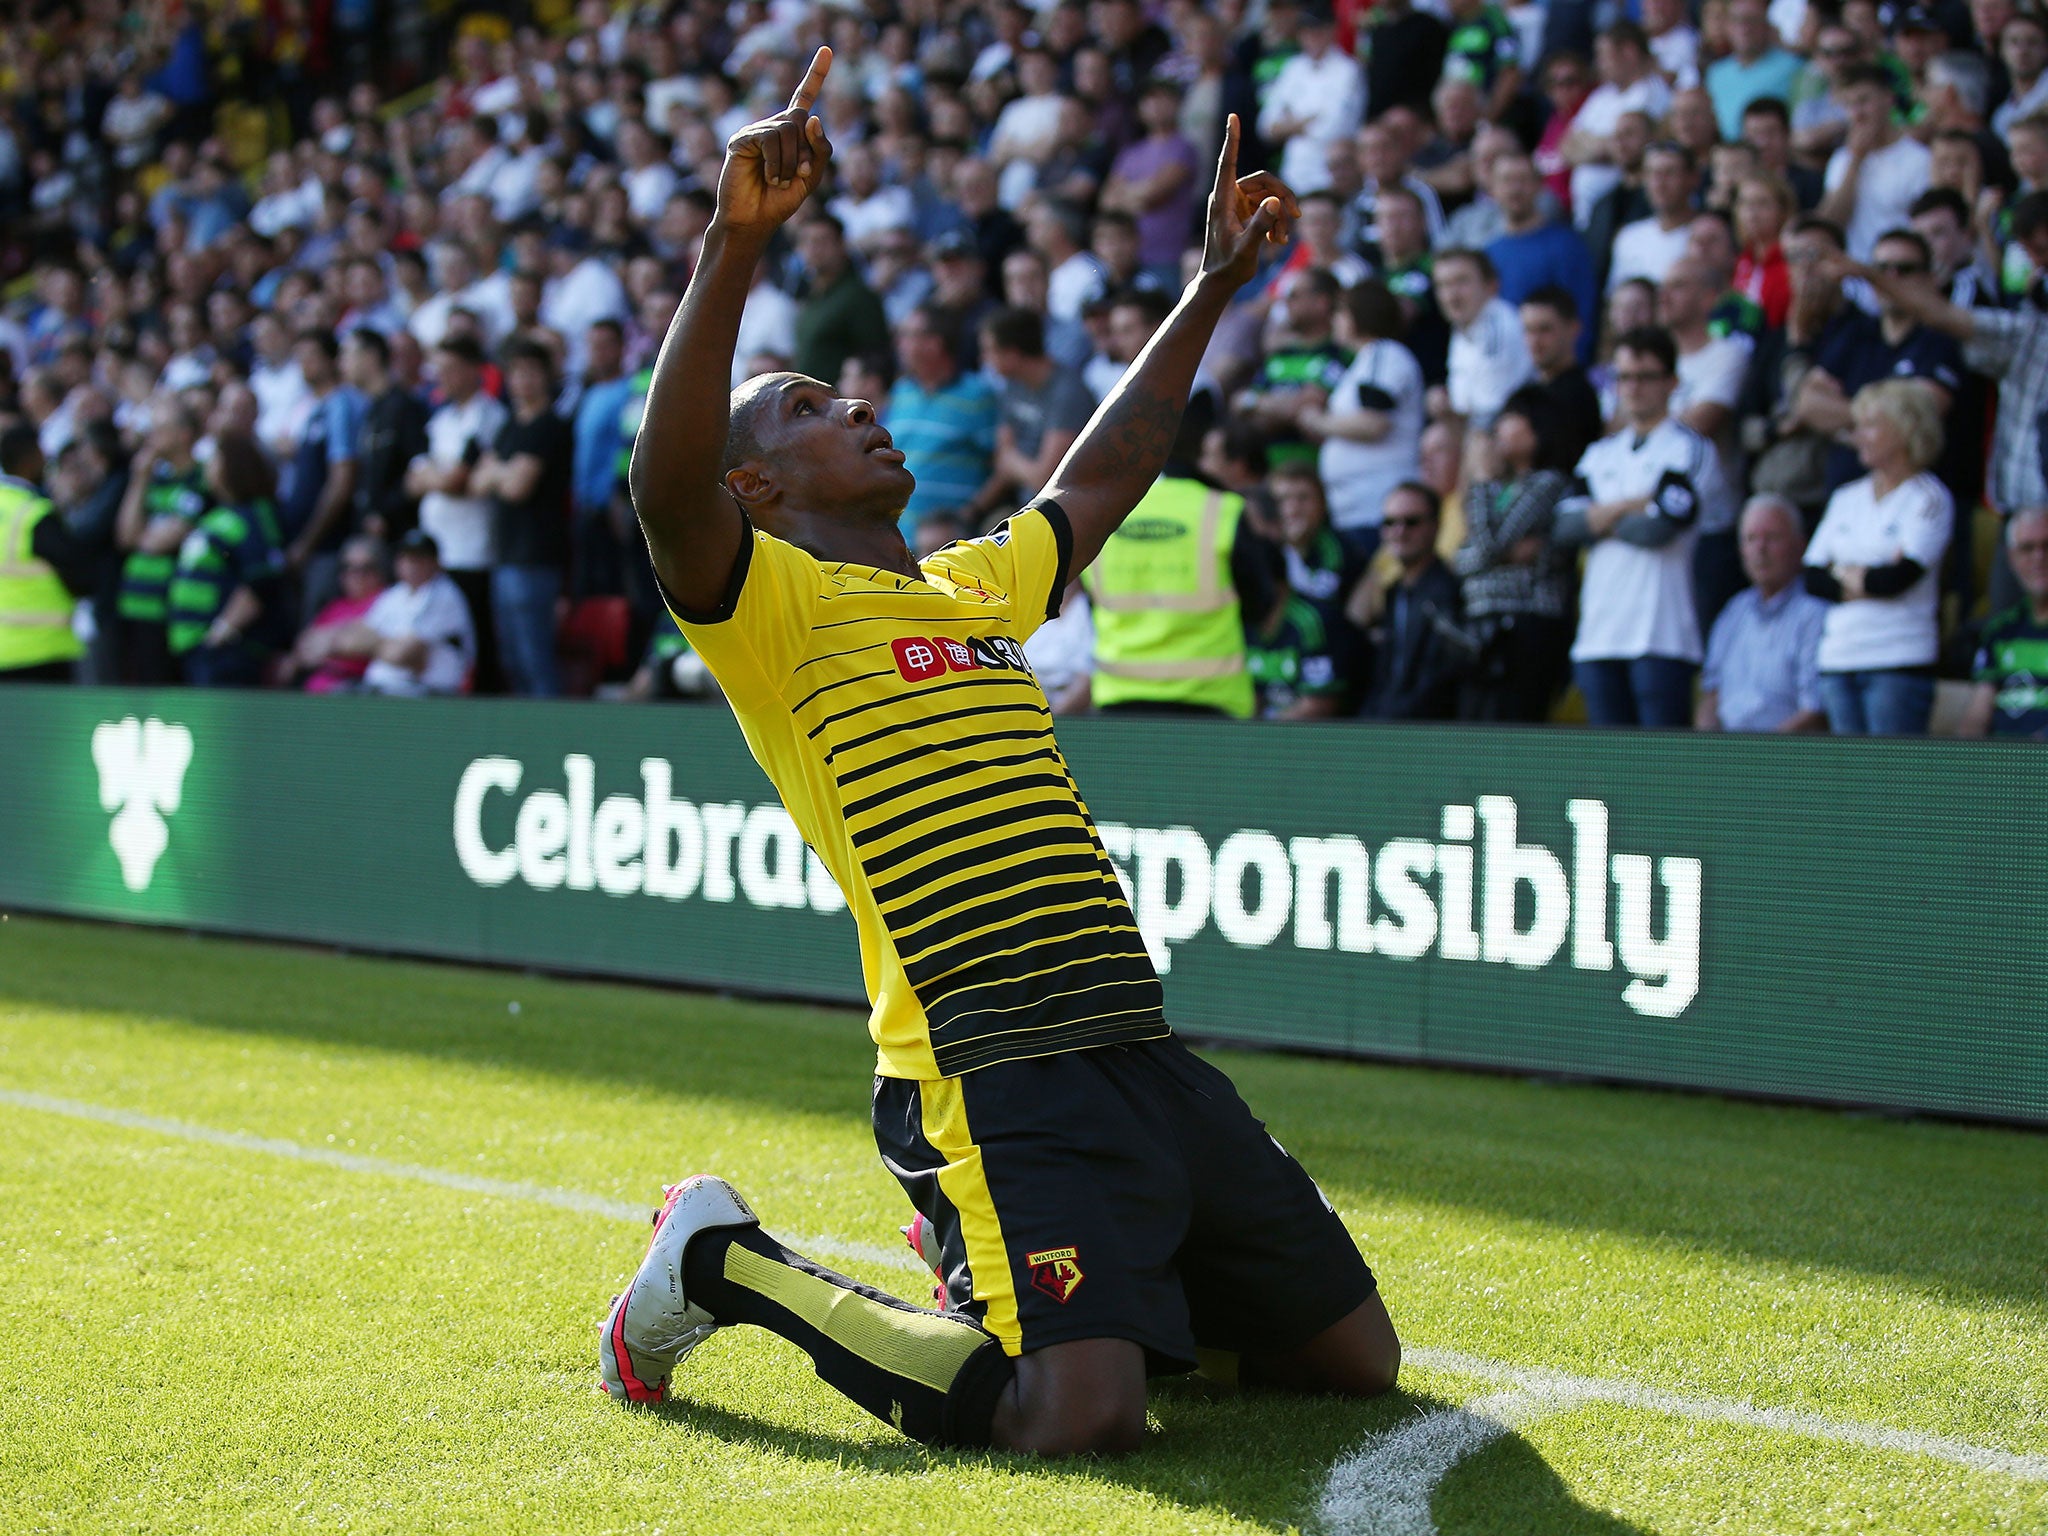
x=40, y=570
x=1169, y=624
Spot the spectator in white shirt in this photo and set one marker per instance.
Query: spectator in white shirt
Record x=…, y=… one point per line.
x=1648, y=247
x=1629, y=82
x=481, y=154
x=1382, y=160
x=458, y=434
x=453, y=271
x=1318, y=96
x=2023, y=49
x=1073, y=275
x=1877, y=558
x=1874, y=177
x=279, y=387
x=868, y=209
x=1710, y=373
x=583, y=290
x=1674, y=42
x=418, y=635
x=132, y=121
x=1489, y=359
x=489, y=299
x=513, y=188
x=666, y=84
x=767, y=322
x=1638, y=644
x=1371, y=430
x=1062, y=653
x=289, y=201
x=1027, y=130
x=648, y=177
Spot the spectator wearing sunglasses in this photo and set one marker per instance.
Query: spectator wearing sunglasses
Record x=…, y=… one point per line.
x=1415, y=618
x=1895, y=346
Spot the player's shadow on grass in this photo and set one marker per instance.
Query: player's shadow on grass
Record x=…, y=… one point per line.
x=1508, y=1489
x=1258, y=1458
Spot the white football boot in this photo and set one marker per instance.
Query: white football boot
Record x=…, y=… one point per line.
x=652, y=1325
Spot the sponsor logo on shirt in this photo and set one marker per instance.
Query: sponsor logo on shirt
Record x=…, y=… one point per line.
x=918, y=659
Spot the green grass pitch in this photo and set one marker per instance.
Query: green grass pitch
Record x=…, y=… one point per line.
x=1695, y=1315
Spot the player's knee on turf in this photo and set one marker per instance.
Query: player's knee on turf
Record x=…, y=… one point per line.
x=1085, y=1398
x=1364, y=1359
x=1358, y=1356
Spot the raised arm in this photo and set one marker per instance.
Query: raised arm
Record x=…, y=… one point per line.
x=1917, y=296
x=691, y=520
x=1124, y=446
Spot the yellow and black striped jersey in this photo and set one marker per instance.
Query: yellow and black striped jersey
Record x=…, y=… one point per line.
x=914, y=749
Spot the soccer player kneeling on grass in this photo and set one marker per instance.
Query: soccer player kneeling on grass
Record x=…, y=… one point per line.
x=1097, y=1201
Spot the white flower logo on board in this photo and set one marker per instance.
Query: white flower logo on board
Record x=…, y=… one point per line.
x=142, y=767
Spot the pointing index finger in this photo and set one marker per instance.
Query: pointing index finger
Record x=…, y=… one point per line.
x=813, y=81
x=1226, y=166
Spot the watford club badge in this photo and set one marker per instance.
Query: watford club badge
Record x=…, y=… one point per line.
x=1057, y=1272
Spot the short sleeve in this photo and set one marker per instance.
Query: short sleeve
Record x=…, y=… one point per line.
x=762, y=627
x=1024, y=564
x=343, y=420
x=1820, y=550
x=1924, y=530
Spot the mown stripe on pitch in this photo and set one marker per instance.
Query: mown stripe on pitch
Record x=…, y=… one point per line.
x=2022, y=1466
x=418, y=1173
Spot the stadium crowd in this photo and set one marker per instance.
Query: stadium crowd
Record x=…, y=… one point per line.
x=1690, y=352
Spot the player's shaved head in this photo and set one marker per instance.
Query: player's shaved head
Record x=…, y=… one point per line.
x=743, y=421
x=786, y=472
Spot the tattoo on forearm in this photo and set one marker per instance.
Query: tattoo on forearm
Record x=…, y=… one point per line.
x=1134, y=437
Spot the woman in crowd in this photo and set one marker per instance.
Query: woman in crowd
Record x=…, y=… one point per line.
x=1371, y=430
x=1764, y=205
x=225, y=594
x=1518, y=596
x=1877, y=557
x=365, y=573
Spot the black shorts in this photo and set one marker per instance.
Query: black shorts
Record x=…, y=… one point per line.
x=1123, y=1192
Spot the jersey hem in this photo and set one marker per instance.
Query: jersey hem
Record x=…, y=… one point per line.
x=1123, y=1034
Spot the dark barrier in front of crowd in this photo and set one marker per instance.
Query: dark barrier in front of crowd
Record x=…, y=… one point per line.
x=1852, y=921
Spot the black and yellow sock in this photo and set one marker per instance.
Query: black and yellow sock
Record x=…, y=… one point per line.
x=936, y=1378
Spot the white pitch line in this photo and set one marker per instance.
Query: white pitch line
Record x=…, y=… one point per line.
x=1384, y=1487
x=418, y=1173
x=2032, y=1468
x=1535, y=1384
